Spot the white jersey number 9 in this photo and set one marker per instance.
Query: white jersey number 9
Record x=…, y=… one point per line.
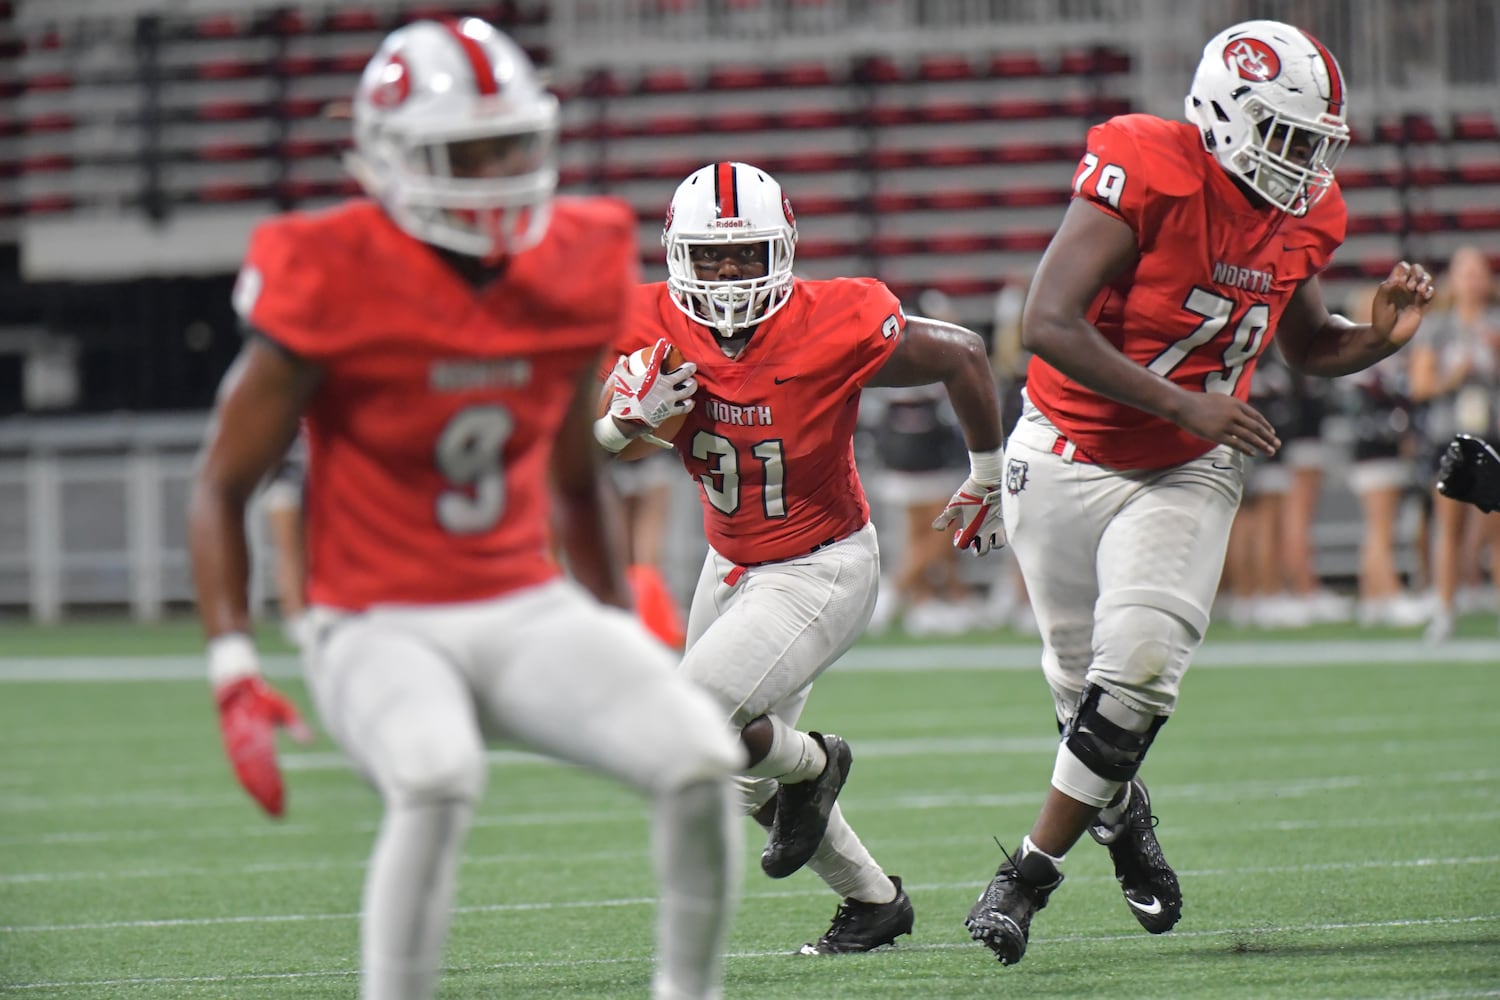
x=468, y=456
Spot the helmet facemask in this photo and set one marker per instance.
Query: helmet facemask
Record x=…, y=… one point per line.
x=735, y=305
x=447, y=189
x=1289, y=160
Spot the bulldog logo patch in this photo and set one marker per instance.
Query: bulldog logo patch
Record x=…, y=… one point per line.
x=1015, y=476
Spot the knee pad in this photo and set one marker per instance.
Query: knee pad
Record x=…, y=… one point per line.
x=1109, y=737
x=432, y=766
x=1142, y=651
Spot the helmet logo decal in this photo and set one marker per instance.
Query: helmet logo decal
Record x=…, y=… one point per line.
x=786, y=210
x=726, y=191
x=1252, y=59
x=466, y=34
x=393, y=86
x=671, y=210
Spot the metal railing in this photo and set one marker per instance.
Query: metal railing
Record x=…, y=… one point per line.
x=95, y=514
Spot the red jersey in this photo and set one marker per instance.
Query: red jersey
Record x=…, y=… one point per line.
x=430, y=435
x=771, y=437
x=1214, y=274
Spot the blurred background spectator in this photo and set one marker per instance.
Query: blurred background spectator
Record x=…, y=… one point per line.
x=923, y=459
x=1383, y=476
x=1455, y=380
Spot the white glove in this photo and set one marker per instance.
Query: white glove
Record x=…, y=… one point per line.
x=975, y=512
x=649, y=396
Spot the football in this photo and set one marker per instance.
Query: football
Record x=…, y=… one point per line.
x=639, y=448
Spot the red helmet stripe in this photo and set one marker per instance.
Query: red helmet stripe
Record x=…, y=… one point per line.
x=726, y=191
x=479, y=62
x=1335, y=77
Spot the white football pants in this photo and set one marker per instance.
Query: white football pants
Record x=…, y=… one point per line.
x=411, y=692
x=758, y=644
x=1092, y=540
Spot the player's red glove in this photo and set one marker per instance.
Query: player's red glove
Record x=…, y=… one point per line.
x=249, y=712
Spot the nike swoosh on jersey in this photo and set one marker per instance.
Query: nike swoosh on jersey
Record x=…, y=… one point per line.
x=782, y=381
x=1151, y=909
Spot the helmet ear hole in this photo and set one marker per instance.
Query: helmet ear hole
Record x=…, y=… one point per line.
x=1219, y=112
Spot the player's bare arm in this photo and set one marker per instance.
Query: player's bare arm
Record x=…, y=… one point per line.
x=593, y=554
x=933, y=351
x=1091, y=248
x=1316, y=342
x=260, y=402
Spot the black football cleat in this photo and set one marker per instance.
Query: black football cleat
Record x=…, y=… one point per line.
x=859, y=926
x=1149, y=883
x=1001, y=917
x=802, y=811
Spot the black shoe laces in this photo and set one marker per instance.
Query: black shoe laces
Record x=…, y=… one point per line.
x=1015, y=869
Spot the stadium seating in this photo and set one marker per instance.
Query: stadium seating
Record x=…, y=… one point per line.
x=942, y=171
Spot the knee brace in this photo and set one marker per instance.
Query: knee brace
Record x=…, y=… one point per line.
x=1114, y=748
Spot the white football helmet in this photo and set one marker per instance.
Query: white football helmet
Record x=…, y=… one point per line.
x=1269, y=101
x=730, y=203
x=431, y=91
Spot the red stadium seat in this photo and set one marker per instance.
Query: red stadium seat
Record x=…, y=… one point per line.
x=49, y=204
x=50, y=81
x=1476, y=128
x=47, y=163
x=221, y=152
x=1016, y=65
x=945, y=68
x=228, y=69
x=353, y=19
x=218, y=26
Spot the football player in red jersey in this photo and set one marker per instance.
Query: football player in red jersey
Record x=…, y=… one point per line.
x=790, y=579
x=1186, y=246
x=440, y=341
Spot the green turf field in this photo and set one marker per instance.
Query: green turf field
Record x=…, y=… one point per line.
x=1333, y=822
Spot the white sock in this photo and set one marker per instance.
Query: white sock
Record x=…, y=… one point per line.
x=408, y=899
x=1027, y=847
x=846, y=867
x=794, y=756
x=697, y=846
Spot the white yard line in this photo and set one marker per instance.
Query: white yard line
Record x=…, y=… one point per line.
x=958, y=656
x=359, y=858
x=288, y=918
x=1197, y=793
x=1041, y=940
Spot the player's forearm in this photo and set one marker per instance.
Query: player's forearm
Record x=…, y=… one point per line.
x=971, y=391
x=1340, y=347
x=1081, y=353
x=221, y=559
